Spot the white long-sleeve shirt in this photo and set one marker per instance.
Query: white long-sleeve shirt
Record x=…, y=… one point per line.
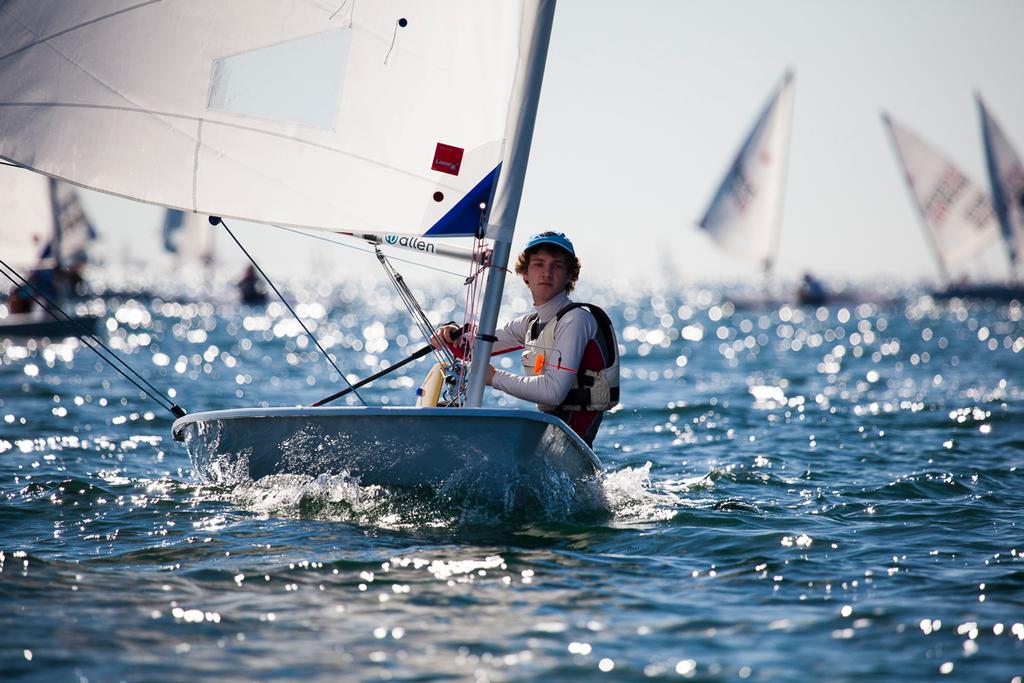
x=575, y=329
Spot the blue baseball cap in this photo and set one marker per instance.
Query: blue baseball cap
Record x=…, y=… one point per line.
x=556, y=238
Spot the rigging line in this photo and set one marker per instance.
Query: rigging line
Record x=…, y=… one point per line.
x=364, y=251
x=217, y=220
x=472, y=304
x=468, y=304
x=419, y=317
x=426, y=328
x=91, y=340
x=49, y=306
x=473, y=308
x=406, y=298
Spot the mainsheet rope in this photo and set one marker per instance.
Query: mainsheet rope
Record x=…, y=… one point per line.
x=217, y=220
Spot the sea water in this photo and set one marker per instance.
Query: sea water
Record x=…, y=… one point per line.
x=792, y=493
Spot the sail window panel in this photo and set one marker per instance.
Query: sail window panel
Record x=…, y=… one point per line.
x=298, y=81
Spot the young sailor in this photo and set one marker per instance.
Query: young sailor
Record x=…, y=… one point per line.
x=570, y=354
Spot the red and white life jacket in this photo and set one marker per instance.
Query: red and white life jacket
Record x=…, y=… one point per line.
x=597, y=378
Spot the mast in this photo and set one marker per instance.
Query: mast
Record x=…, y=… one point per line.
x=538, y=16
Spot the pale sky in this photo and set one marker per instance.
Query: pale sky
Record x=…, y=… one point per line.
x=645, y=104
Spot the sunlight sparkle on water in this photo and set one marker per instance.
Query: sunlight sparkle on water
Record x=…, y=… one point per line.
x=752, y=455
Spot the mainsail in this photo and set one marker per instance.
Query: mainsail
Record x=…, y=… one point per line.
x=372, y=117
x=956, y=212
x=1006, y=177
x=392, y=116
x=744, y=214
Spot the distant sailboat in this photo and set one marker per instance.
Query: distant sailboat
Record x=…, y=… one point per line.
x=745, y=213
x=45, y=234
x=958, y=216
x=955, y=212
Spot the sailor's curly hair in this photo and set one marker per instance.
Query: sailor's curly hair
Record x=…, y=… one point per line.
x=572, y=263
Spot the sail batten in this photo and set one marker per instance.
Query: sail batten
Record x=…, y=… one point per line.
x=272, y=111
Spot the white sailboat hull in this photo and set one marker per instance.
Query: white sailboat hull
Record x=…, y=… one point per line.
x=471, y=452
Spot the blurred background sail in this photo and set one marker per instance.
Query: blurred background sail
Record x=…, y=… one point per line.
x=956, y=213
x=45, y=237
x=27, y=208
x=43, y=224
x=189, y=237
x=1006, y=178
x=744, y=215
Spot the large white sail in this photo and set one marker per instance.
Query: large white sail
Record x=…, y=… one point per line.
x=744, y=214
x=374, y=117
x=1006, y=177
x=955, y=211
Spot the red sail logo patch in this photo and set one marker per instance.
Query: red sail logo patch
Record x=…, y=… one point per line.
x=447, y=159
